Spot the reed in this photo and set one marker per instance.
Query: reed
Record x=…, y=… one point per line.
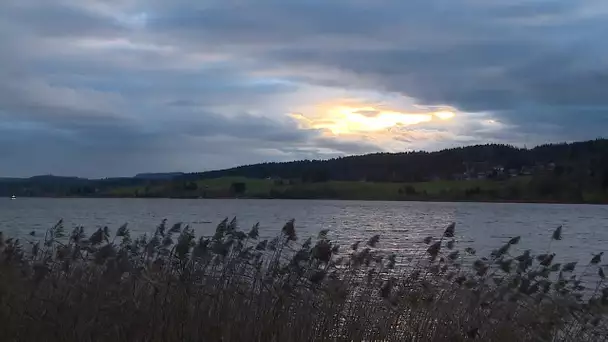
x=233, y=286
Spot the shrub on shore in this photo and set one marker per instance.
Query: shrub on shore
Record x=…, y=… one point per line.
x=233, y=286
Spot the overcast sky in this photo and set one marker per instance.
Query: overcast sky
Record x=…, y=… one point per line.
x=102, y=88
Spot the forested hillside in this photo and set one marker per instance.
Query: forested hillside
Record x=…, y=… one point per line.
x=574, y=172
x=586, y=161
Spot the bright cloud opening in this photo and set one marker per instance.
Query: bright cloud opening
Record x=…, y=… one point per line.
x=342, y=119
x=445, y=115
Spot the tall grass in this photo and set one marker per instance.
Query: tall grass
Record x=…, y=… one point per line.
x=232, y=286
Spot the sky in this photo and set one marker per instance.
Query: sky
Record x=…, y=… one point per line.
x=104, y=88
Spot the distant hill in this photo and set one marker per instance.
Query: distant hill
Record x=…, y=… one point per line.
x=159, y=176
x=56, y=179
x=45, y=185
x=589, y=158
x=9, y=179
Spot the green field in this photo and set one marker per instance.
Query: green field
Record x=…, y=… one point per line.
x=510, y=189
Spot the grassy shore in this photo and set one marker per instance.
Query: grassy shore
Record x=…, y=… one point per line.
x=262, y=188
x=232, y=286
x=519, y=189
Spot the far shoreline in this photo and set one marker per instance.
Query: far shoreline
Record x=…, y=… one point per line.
x=433, y=200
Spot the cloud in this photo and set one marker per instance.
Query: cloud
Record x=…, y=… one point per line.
x=370, y=113
x=114, y=87
x=509, y=58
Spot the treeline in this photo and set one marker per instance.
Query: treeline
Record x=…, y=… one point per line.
x=582, y=162
x=560, y=172
x=54, y=186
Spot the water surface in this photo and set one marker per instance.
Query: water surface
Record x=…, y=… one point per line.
x=402, y=225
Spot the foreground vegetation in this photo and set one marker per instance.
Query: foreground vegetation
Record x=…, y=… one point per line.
x=232, y=286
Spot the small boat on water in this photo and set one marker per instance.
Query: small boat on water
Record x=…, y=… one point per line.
x=13, y=197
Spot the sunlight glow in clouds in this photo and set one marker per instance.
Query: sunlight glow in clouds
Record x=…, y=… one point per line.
x=340, y=120
x=444, y=115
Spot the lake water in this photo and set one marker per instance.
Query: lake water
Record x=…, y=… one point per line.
x=402, y=225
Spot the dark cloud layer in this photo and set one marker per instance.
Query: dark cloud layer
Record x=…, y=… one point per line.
x=115, y=87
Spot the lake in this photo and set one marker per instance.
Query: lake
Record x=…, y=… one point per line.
x=402, y=225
